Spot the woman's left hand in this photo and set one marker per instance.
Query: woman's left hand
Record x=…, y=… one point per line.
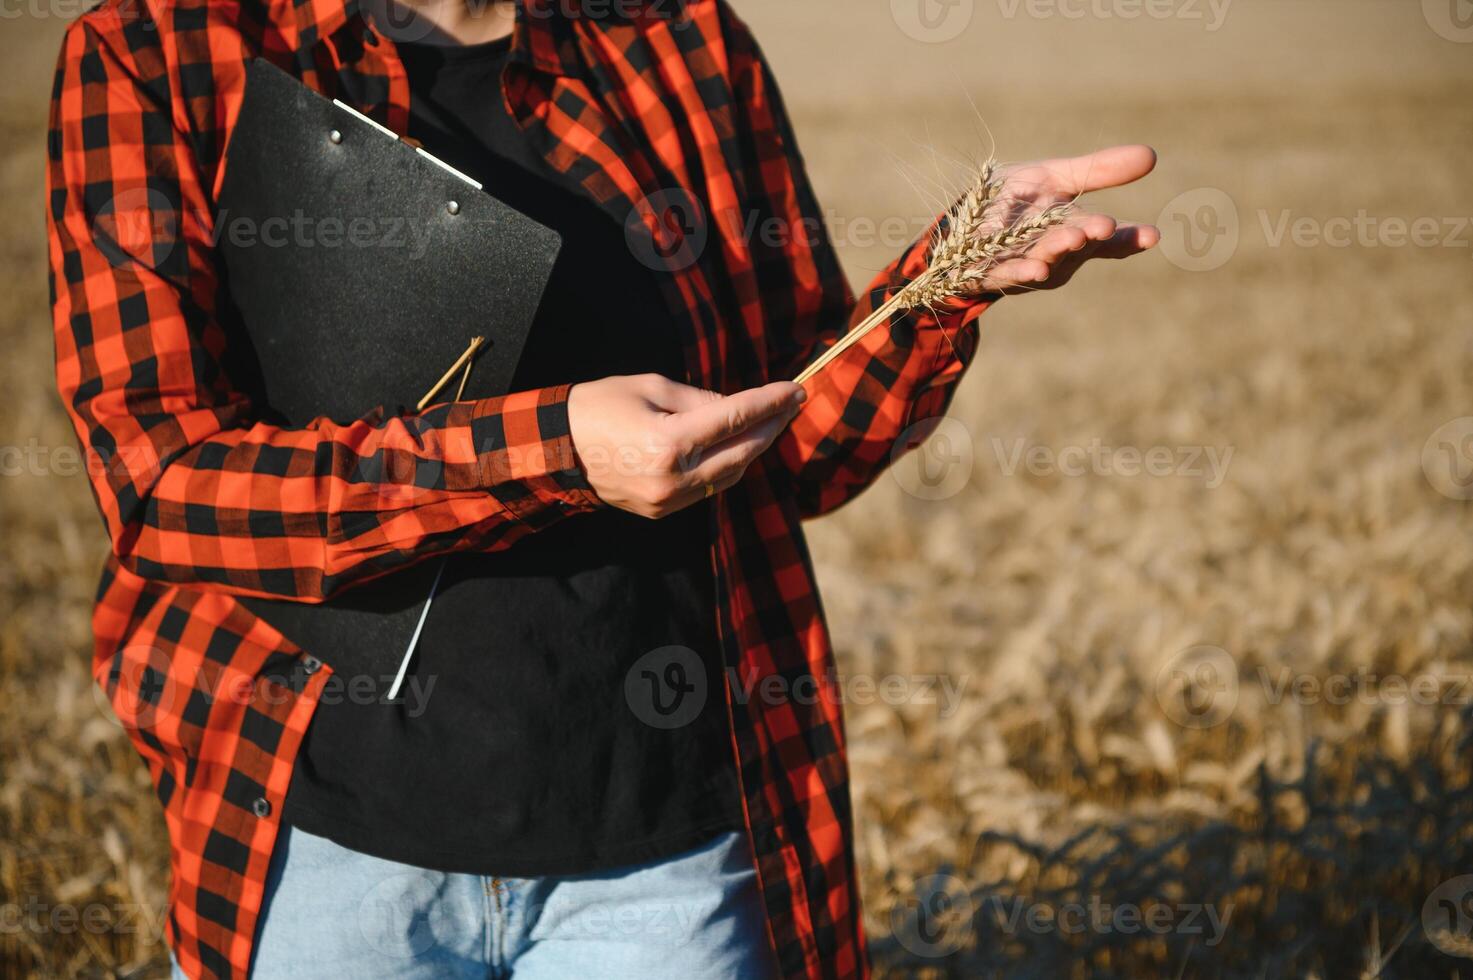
x=1058, y=254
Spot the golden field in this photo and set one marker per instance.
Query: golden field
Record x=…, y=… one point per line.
x=1160, y=653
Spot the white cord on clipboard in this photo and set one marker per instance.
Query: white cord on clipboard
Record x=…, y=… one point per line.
x=419, y=149
x=424, y=614
x=414, y=640
x=468, y=359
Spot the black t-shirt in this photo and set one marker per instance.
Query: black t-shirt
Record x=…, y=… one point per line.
x=590, y=730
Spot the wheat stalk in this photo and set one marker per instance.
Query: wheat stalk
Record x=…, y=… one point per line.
x=463, y=361
x=961, y=256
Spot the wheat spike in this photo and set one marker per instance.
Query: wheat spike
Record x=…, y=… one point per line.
x=961, y=257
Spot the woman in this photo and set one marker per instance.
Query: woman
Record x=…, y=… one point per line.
x=541, y=814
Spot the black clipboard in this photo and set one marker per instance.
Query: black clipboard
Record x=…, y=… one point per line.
x=358, y=269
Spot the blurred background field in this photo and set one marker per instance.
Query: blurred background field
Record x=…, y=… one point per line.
x=1210, y=720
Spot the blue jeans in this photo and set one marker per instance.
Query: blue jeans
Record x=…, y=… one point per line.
x=330, y=912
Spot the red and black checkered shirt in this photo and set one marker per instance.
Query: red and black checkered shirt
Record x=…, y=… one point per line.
x=205, y=502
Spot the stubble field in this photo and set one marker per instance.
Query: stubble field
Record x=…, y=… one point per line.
x=1160, y=654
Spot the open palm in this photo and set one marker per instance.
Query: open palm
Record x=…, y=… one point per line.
x=1061, y=251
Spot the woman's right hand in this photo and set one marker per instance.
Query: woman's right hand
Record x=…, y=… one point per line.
x=652, y=446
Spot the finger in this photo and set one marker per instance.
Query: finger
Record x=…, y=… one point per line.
x=672, y=396
x=725, y=462
x=1078, y=232
x=718, y=420
x=1128, y=240
x=1016, y=272
x=697, y=493
x=1113, y=167
x=1095, y=235
x=1096, y=227
x=1058, y=242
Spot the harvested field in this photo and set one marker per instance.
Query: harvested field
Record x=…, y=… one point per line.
x=1179, y=601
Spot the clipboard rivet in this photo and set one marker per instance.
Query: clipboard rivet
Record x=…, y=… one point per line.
x=453, y=207
x=335, y=136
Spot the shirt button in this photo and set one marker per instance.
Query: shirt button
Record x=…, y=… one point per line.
x=261, y=807
x=311, y=665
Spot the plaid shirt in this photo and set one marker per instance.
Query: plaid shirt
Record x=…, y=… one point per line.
x=204, y=502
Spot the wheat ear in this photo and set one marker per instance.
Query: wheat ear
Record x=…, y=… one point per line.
x=961, y=256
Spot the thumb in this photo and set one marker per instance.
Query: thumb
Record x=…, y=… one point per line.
x=726, y=416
